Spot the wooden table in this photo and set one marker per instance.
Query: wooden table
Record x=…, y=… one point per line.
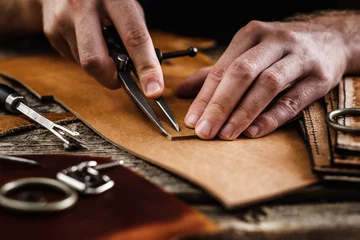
x=322, y=211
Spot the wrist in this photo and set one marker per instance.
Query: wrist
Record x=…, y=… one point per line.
x=352, y=42
x=347, y=25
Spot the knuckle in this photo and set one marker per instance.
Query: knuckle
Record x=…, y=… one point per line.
x=216, y=74
x=204, y=70
x=243, y=68
x=292, y=106
x=76, y=4
x=114, y=4
x=324, y=80
x=92, y=63
x=60, y=17
x=324, y=76
x=148, y=73
x=271, y=81
x=242, y=114
x=254, y=28
x=136, y=37
x=288, y=36
x=50, y=33
x=201, y=103
x=255, y=25
x=218, y=107
x=270, y=121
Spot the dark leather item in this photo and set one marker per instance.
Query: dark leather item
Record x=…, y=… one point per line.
x=133, y=209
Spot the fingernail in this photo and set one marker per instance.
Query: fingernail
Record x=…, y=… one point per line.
x=192, y=118
x=253, y=130
x=152, y=88
x=203, y=129
x=227, y=131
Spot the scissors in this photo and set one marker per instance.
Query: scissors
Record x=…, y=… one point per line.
x=125, y=66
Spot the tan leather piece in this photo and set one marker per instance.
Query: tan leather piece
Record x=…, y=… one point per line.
x=170, y=41
x=10, y=124
x=237, y=173
x=133, y=209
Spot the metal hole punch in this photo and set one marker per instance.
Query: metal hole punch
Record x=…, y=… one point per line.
x=13, y=102
x=342, y=112
x=125, y=66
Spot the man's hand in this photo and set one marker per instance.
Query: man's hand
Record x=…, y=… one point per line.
x=74, y=28
x=269, y=73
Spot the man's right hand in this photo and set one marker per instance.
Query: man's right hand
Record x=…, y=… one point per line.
x=74, y=28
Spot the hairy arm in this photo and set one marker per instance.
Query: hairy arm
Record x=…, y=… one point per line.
x=19, y=17
x=271, y=71
x=347, y=23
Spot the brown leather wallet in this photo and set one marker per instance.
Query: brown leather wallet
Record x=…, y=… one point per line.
x=334, y=153
x=133, y=208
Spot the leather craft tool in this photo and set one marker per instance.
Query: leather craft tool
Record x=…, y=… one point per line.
x=13, y=102
x=125, y=67
x=10, y=162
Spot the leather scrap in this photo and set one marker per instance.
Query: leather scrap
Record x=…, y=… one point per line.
x=237, y=173
x=10, y=124
x=133, y=209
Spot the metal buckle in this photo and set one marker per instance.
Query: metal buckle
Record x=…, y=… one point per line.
x=85, y=178
x=71, y=196
x=331, y=117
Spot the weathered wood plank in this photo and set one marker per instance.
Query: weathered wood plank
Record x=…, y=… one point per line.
x=303, y=221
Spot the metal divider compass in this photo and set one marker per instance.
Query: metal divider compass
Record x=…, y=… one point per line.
x=125, y=66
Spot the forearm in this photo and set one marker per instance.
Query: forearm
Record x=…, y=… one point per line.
x=352, y=38
x=346, y=23
x=19, y=17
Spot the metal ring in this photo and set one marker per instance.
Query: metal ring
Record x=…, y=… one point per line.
x=330, y=119
x=13, y=204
